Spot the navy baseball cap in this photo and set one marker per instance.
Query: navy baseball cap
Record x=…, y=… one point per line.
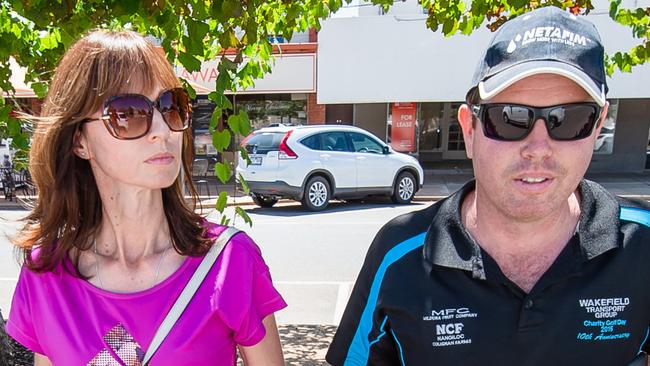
x=547, y=40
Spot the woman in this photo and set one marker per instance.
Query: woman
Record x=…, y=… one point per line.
x=111, y=243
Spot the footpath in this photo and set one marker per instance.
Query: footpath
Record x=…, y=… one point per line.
x=306, y=345
x=437, y=185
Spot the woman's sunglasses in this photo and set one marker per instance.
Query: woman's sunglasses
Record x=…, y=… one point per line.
x=513, y=122
x=129, y=116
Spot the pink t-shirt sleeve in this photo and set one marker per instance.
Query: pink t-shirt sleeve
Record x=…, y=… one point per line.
x=20, y=324
x=244, y=291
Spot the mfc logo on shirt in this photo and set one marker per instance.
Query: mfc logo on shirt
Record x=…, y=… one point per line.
x=547, y=34
x=447, y=314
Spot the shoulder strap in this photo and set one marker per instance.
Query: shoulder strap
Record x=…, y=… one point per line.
x=188, y=292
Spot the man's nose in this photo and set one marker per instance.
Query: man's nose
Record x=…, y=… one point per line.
x=537, y=145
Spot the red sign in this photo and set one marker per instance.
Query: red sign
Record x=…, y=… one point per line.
x=402, y=134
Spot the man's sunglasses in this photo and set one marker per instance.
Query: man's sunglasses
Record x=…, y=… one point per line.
x=129, y=116
x=513, y=122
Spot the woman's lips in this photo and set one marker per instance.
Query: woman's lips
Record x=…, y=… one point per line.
x=160, y=159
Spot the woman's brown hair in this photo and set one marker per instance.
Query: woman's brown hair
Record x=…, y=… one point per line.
x=68, y=209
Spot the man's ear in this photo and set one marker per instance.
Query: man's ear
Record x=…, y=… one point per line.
x=601, y=118
x=468, y=125
x=79, y=145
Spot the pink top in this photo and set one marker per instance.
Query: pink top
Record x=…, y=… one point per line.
x=74, y=323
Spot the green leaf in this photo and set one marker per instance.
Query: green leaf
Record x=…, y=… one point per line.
x=244, y=123
x=220, y=100
x=190, y=63
x=448, y=26
x=244, y=155
x=13, y=126
x=40, y=88
x=244, y=185
x=233, y=123
x=188, y=87
x=227, y=64
x=223, y=172
x=50, y=41
x=247, y=219
x=225, y=220
x=232, y=9
x=228, y=39
x=222, y=202
x=221, y=140
x=223, y=82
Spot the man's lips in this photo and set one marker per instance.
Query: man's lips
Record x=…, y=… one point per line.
x=534, y=181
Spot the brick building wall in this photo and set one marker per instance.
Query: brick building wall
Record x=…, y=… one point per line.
x=315, y=111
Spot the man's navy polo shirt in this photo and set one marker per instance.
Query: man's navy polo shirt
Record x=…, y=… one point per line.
x=429, y=295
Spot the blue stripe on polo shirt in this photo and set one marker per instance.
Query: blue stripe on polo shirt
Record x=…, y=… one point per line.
x=399, y=345
x=637, y=215
x=360, y=347
x=644, y=340
x=381, y=329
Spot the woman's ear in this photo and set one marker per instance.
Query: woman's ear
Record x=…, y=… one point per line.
x=79, y=145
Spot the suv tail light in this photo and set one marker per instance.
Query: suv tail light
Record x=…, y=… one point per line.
x=285, y=150
x=243, y=142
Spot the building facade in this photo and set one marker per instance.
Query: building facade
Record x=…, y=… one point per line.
x=389, y=74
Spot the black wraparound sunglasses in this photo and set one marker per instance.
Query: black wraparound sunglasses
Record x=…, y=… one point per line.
x=513, y=122
x=129, y=116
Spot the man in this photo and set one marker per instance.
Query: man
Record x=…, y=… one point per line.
x=6, y=163
x=529, y=264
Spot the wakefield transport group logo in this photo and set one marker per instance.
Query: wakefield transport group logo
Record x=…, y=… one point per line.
x=547, y=34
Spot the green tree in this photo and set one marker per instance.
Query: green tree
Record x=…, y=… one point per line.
x=37, y=32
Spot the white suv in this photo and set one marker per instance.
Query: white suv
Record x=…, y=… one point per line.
x=313, y=164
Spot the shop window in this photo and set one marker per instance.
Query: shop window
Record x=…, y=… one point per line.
x=431, y=128
x=647, y=159
x=605, y=140
x=455, y=141
x=203, y=143
x=265, y=112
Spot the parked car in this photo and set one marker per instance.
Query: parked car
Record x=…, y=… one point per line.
x=313, y=164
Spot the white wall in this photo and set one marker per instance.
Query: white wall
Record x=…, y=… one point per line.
x=395, y=58
x=291, y=73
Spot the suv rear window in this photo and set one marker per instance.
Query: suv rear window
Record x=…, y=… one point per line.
x=264, y=142
x=312, y=142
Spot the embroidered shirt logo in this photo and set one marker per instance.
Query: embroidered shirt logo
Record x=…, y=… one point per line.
x=450, y=326
x=604, y=308
x=603, y=326
x=547, y=34
x=447, y=314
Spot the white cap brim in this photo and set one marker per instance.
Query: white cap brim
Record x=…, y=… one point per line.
x=497, y=83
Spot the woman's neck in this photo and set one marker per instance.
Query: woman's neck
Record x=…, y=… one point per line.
x=134, y=225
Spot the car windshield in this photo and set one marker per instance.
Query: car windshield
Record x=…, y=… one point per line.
x=263, y=142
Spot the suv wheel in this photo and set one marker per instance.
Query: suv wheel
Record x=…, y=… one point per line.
x=264, y=201
x=404, y=189
x=317, y=194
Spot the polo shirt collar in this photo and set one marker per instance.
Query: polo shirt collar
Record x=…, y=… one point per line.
x=448, y=244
